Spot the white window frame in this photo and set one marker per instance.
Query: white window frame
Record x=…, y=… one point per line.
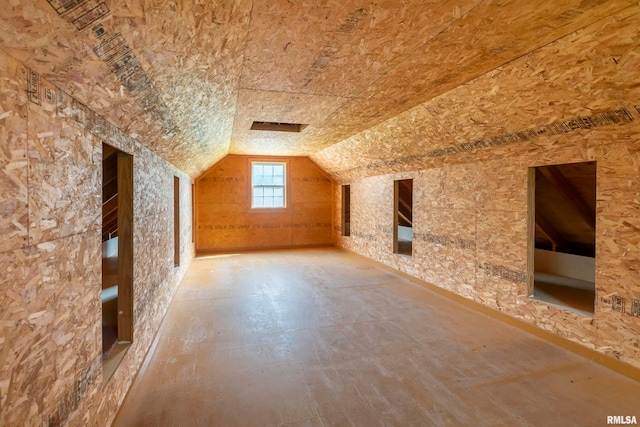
x=272, y=186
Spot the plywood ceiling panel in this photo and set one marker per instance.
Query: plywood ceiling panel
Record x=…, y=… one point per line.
x=338, y=47
x=592, y=73
x=185, y=77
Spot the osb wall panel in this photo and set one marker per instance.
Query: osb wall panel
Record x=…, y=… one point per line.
x=372, y=203
x=13, y=154
x=50, y=278
x=51, y=347
x=64, y=161
x=571, y=101
x=618, y=247
x=470, y=237
x=371, y=224
x=446, y=240
x=226, y=221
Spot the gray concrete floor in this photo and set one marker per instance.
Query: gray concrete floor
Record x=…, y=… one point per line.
x=319, y=337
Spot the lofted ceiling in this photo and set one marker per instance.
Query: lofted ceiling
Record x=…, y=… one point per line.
x=187, y=78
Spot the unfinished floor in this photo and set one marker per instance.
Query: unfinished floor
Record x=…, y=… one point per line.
x=320, y=337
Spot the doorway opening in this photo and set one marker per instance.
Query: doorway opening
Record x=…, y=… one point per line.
x=562, y=245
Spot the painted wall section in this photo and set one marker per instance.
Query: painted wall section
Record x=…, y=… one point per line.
x=468, y=151
x=50, y=254
x=226, y=221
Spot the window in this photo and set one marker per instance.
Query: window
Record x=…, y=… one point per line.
x=267, y=185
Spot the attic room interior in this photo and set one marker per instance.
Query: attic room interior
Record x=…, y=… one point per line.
x=354, y=212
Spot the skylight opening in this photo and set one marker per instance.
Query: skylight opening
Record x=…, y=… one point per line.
x=278, y=127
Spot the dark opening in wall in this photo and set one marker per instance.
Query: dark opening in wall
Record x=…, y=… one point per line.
x=403, y=217
x=193, y=213
x=562, y=223
x=176, y=221
x=346, y=210
x=117, y=257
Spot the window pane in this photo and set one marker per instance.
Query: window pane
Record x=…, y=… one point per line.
x=268, y=181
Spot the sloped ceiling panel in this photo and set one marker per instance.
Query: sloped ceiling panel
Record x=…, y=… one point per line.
x=591, y=74
x=187, y=77
x=167, y=73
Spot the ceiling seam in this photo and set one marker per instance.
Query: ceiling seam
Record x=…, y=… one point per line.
x=244, y=58
x=297, y=93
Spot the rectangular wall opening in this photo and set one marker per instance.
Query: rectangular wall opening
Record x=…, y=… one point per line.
x=193, y=213
x=176, y=221
x=403, y=217
x=562, y=223
x=346, y=210
x=117, y=257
